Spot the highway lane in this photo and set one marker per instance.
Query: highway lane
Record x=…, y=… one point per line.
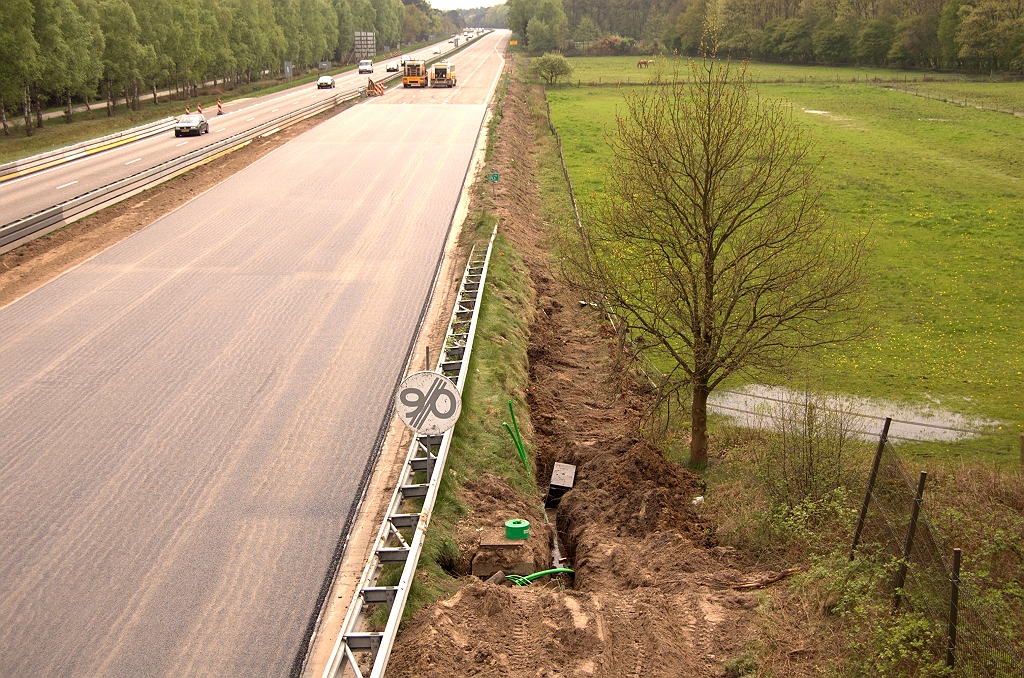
x=36, y=192
x=187, y=416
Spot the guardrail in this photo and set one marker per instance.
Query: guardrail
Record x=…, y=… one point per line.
x=45, y=221
x=400, y=538
x=59, y=156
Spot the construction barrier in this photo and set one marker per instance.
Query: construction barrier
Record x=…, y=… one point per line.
x=375, y=89
x=220, y=108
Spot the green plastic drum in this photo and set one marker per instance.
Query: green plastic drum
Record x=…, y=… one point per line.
x=517, y=528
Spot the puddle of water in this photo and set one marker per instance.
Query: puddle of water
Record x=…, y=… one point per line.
x=758, y=403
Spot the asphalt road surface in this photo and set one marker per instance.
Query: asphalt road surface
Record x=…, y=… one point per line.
x=188, y=415
x=36, y=192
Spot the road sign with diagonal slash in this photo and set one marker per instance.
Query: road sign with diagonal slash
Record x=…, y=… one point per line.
x=429, y=403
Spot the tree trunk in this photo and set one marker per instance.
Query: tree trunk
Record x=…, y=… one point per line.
x=110, y=93
x=26, y=109
x=36, y=105
x=156, y=99
x=699, y=423
x=68, y=112
x=87, y=106
x=3, y=117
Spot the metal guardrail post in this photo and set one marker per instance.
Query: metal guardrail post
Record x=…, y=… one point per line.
x=419, y=480
x=901, y=574
x=871, y=485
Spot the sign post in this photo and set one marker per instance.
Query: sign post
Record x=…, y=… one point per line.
x=429, y=403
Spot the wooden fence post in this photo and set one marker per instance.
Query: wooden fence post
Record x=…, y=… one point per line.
x=871, y=484
x=901, y=575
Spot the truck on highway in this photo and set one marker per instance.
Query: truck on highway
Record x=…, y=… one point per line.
x=443, y=74
x=415, y=74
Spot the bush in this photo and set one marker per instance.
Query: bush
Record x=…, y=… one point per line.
x=805, y=451
x=552, y=68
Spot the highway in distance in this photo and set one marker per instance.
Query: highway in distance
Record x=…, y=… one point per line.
x=187, y=417
x=39, y=191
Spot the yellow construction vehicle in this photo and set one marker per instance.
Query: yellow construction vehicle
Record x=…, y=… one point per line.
x=443, y=75
x=415, y=74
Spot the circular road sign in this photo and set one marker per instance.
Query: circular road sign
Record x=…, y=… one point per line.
x=429, y=403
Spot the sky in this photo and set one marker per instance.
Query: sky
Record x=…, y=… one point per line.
x=463, y=4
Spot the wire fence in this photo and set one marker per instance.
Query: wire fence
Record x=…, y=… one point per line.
x=982, y=646
x=962, y=100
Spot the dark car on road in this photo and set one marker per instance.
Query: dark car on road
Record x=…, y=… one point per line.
x=193, y=123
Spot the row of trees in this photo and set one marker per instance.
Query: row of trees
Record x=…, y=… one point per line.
x=495, y=16
x=971, y=34
x=77, y=50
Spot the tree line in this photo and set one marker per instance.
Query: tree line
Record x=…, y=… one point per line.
x=980, y=35
x=66, y=51
x=495, y=16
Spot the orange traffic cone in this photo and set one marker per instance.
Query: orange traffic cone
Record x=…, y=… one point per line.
x=199, y=107
x=187, y=111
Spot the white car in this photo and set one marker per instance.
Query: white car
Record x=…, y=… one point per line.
x=325, y=82
x=392, y=67
x=437, y=50
x=366, y=66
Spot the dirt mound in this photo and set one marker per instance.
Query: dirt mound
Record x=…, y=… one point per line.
x=490, y=502
x=487, y=630
x=651, y=593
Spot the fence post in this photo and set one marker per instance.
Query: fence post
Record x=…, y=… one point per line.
x=954, y=608
x=1022, y=452
x=901, y=575
x=871, y=483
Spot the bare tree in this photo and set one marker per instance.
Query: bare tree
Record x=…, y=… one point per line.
x=712, y=241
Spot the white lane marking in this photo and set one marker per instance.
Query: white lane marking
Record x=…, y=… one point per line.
x=312, y=96
x=220, y=130
x=250, y=119
x=70, y=183
x=181, y=144
x=131, y=161
x=275, y=110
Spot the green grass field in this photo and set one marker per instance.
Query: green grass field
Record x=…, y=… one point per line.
x=1007, y=96
x=606, y=70
x=941, y=190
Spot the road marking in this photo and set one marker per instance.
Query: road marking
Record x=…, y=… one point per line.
x=275, y=110
x=70, y=183
x=219, y=130
x=250, y=119
x=131, y=161
x=181, y=144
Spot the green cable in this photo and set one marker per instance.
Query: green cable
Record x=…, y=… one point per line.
x=519, y=580
x=517, y=437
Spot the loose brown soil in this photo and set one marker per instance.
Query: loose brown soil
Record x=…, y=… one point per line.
x=652, y=594
x=36, y=263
